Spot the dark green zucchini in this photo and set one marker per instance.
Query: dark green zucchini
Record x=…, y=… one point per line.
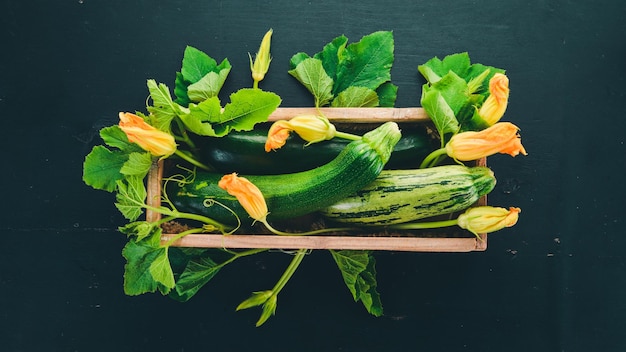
x=244, y=152
x=292, y=195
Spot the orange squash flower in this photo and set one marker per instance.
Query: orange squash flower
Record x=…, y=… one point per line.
x=311, y=128
x=247, y=194
x=157, y=142
x=495, y=105
x=485, y=219
x=277, y=135
x=502, y=137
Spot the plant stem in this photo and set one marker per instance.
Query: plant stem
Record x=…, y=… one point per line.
x=237, y=255
x=348, y=136
x=424, y=225
x=192, y=160
x=291, y=269
x=433, y=158
x=189, y=216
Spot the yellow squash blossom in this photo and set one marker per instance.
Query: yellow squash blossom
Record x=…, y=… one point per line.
x=262, y=60
x=247, y=194
x=495, y=105
x=311, y=128
x=485, y=219
x=157, y=142
x=499, y=138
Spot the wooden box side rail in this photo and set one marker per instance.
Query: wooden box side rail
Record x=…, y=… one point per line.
x=354, y=242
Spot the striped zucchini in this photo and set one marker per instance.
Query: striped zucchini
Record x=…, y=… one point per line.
x=291, y=195
x=399, y=196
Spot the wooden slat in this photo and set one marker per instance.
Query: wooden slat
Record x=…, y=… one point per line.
x=356, y=115
x=408, y=244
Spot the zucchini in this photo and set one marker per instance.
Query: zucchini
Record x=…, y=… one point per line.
x=292, y=195
x=399, y=196
x=244, y=152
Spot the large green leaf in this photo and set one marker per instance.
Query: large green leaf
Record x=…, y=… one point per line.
x=247, y=107
x=440, y=112
x=130, y=197
x=454, y=91
x=101, y=169
x=138, y=164
x=200, y=77
x=208, y=86
x=147, y=266
x=331, y=53
x=356, y=97
x=366, y=63
x=113, y=136
x=197, y=273
x=312, y=75
x=359, y=274
x=163, y=108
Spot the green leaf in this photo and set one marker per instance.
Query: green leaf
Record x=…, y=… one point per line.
x=113, y=136
x=296, y=59
x=130, y=197
x=359, y=274
x=147, y=267
x=454, y=91
x=387, y=94
x=200, y=77
x=197, y=273
x=101, y=169
x=459, y=63
x=208, y=86
x=247, y=107
x=163, y=108
x=435, y=68
x=161, y=271
x=331, y=53
x=439, y=111
x=366, y=63
x=356, y=97
x=138, y=164
x=312, y=75
x=140, y=229
x=196, y=64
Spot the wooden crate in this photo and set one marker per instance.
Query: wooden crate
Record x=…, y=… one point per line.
x=466, y=242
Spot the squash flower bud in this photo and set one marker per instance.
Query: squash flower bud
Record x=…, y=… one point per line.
x=155, y=141
x=247, y=194
x=311, y=128
x=502, y=137
x=495, y=105
x=485, y=219
x=262, y=60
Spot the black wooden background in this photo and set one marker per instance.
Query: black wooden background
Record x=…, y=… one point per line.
x=554, y=282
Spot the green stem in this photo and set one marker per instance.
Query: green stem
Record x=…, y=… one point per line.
x=291, y=269
x=181, y=235
x=424, y=225
x=173, y=214
x=432, y=158
x=237, y=255
x=192, y=160
x=255, y=84
x=348, y=136
x=184, y=135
